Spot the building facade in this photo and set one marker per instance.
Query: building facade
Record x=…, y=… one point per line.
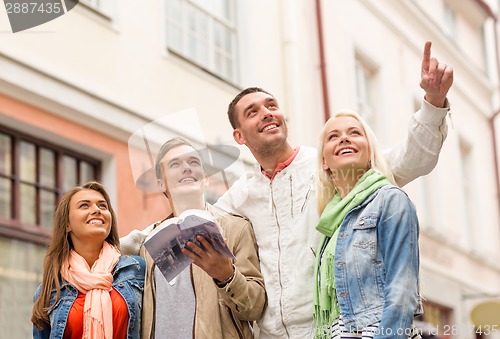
x=74, y=91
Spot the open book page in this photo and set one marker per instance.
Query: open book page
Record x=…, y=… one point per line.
x=165, y=243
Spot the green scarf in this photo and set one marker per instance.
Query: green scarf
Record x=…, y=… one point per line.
x=326, y=308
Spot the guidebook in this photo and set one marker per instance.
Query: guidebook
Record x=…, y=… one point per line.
x=165, y=243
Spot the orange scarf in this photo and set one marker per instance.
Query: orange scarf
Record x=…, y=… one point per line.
x=95, y=283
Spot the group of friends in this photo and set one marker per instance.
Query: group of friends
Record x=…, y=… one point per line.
x=326, y=243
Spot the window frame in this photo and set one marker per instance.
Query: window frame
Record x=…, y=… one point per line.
x=365, y=75
x=449, y=21
x=13, y=227
x=213, y=50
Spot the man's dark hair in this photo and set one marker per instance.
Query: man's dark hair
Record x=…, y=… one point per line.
x=231, y=110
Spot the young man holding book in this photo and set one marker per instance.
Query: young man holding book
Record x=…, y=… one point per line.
x=215, y=297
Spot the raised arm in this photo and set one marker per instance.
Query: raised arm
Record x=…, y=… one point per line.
x=418, y=154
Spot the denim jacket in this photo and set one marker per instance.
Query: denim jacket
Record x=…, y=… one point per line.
x=377, y=264
x=128, y=280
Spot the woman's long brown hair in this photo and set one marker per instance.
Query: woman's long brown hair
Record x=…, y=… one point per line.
x=58, y=252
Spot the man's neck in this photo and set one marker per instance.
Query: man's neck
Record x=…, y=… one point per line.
x=184, y=203
x=271, y=160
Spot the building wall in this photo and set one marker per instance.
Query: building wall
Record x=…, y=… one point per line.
x=88, y=81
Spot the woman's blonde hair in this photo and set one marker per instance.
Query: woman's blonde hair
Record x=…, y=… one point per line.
x=326, y=186
x=59, y=248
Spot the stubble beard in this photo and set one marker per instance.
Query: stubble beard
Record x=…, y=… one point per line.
x=273, y=149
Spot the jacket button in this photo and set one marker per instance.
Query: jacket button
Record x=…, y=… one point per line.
x=362, y=222
x=232, y=295
x=120, y=284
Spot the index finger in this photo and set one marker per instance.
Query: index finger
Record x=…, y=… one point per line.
x=427, y=56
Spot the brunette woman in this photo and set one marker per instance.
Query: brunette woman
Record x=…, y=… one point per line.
x=88, y=289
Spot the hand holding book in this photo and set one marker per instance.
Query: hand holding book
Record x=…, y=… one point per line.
x=167, y=245
x=216, y=265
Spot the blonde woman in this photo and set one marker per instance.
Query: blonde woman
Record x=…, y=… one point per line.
x=367, y=267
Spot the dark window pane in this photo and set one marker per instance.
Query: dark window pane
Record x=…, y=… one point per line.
x=5, y=198
x=69, y=173
x=47, y=207
x=27, y=161
x=47, y=168
x=5, y=155
x=87, y=172
x=28, y=205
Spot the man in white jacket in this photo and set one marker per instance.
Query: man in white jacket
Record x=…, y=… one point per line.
x=280, y=200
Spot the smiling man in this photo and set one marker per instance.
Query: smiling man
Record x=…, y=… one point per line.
x=261, y=127
x=280, y=199
x=214, y=298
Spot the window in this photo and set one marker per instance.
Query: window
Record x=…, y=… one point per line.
x=439, y=317
x=204, y=32
x=449, y=22
x=91, y=3
x=33, y=176
x=485, y=46
x=466, y=167
x=21, y=266
x=364, y=89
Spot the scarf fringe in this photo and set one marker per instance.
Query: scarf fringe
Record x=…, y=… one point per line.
x=323, y=319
